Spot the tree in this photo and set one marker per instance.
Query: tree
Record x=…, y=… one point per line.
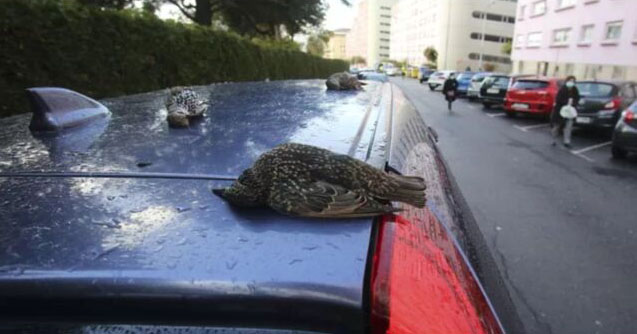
x=488, y=67
x=114, y=4
x=431, y=54
x=317, y=42
x=506, y=48
x=250, y=17
x=357, y=60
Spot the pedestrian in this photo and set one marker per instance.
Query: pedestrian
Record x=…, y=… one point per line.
x=562, y=121
x=450, y=89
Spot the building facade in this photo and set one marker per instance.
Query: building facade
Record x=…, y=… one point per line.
x=591, y=39
x=370, y=34
x=336, y=45
x=454, y=28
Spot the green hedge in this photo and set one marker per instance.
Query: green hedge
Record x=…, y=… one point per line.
x=104, y=53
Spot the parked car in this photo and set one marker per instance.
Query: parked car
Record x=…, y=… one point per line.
x=391, y=70
x=112, y=221
x=437, y=79
x=625, y=133
x=464, y=80
x=534, y=96
x=602, y=102
x=493, y=89
x=473, y=91
x=424, y=74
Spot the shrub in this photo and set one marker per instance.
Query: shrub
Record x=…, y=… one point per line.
x=104, y=53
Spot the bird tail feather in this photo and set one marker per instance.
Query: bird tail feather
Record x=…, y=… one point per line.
x=411, y=190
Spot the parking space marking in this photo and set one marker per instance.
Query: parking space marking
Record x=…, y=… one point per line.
x=531, y=127
x=495, y=114
x=582, y=156
x=592, y=147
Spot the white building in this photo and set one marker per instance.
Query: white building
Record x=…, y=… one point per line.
x=454, y=28
x=591, y=39
x=369, y=36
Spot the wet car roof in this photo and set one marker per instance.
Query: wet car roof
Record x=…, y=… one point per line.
x=244, y=120
x=80, y=237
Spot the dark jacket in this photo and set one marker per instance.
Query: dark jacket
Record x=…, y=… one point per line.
x=561, y=100
x=450, y=85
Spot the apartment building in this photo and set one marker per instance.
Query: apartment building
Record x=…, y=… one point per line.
x=591, y=39
x=454, y=28
x=369, y=36
x=336, y=45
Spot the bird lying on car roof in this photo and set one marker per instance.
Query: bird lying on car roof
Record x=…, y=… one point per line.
x=183, y=105
x=303, y=180
x=343, y=81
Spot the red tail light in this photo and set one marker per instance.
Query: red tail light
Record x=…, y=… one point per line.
x=613, y=104
x=629, y=116
x=421, y=283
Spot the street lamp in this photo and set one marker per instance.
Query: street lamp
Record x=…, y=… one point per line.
x=484, y=24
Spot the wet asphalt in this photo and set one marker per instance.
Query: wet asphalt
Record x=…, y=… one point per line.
x=562, y=224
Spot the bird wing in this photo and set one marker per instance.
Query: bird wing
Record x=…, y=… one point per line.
x=324, y=200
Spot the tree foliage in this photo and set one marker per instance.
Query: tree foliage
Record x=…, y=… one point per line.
x=114, y=4
x=431, y=54
x=489, y=67
x=357, y=60
x=507, y=48
x=104, y=53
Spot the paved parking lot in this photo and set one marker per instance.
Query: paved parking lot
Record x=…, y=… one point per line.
x=560, y=222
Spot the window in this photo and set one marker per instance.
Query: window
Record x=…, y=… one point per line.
x=519, y=40
x=384, y=39
x=613, y=31
x=384, y=24
x=586, y=34
x=560, y=36
x=384, y=32
x=491, y=38
x=385, y=47
x=534, y=39
x=385, y=7
x=493, y=17
x=490, y=58
x=386, y=16
x=522, y=12
x=565, y=3
x=539, y=8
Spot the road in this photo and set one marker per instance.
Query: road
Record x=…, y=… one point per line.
x=561, y=223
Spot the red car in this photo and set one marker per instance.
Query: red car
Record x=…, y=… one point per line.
x=534, y=95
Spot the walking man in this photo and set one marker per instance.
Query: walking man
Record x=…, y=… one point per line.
x=562, y=121
x=450, y=89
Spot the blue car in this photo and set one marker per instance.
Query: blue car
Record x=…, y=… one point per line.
x=108, y=223
x=464, y=80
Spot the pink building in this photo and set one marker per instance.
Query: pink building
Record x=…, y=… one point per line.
x=591, y=39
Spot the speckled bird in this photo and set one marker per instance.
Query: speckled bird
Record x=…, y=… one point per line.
x=183, y=105
x=303, y=180
x=343, y=81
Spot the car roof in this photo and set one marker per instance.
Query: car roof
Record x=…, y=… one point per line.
x=171, y=236
x=610, y=82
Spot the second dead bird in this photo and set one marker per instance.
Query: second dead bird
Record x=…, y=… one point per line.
x=183, y=105
x=343, y=81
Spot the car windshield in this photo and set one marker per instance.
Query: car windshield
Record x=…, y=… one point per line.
x=530, y=84
x=497, y=81
x=465, y=76
x=478, y=78
x=594, y=89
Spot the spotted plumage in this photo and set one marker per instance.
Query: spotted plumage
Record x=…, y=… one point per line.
x=343, y=81
x=183, y=105
x=303, y=180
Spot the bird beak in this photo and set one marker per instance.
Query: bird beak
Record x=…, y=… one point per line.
x=219, y=191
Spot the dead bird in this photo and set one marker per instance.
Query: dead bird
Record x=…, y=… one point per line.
x=183, y=105
x=343, y=81
x=304, y=180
